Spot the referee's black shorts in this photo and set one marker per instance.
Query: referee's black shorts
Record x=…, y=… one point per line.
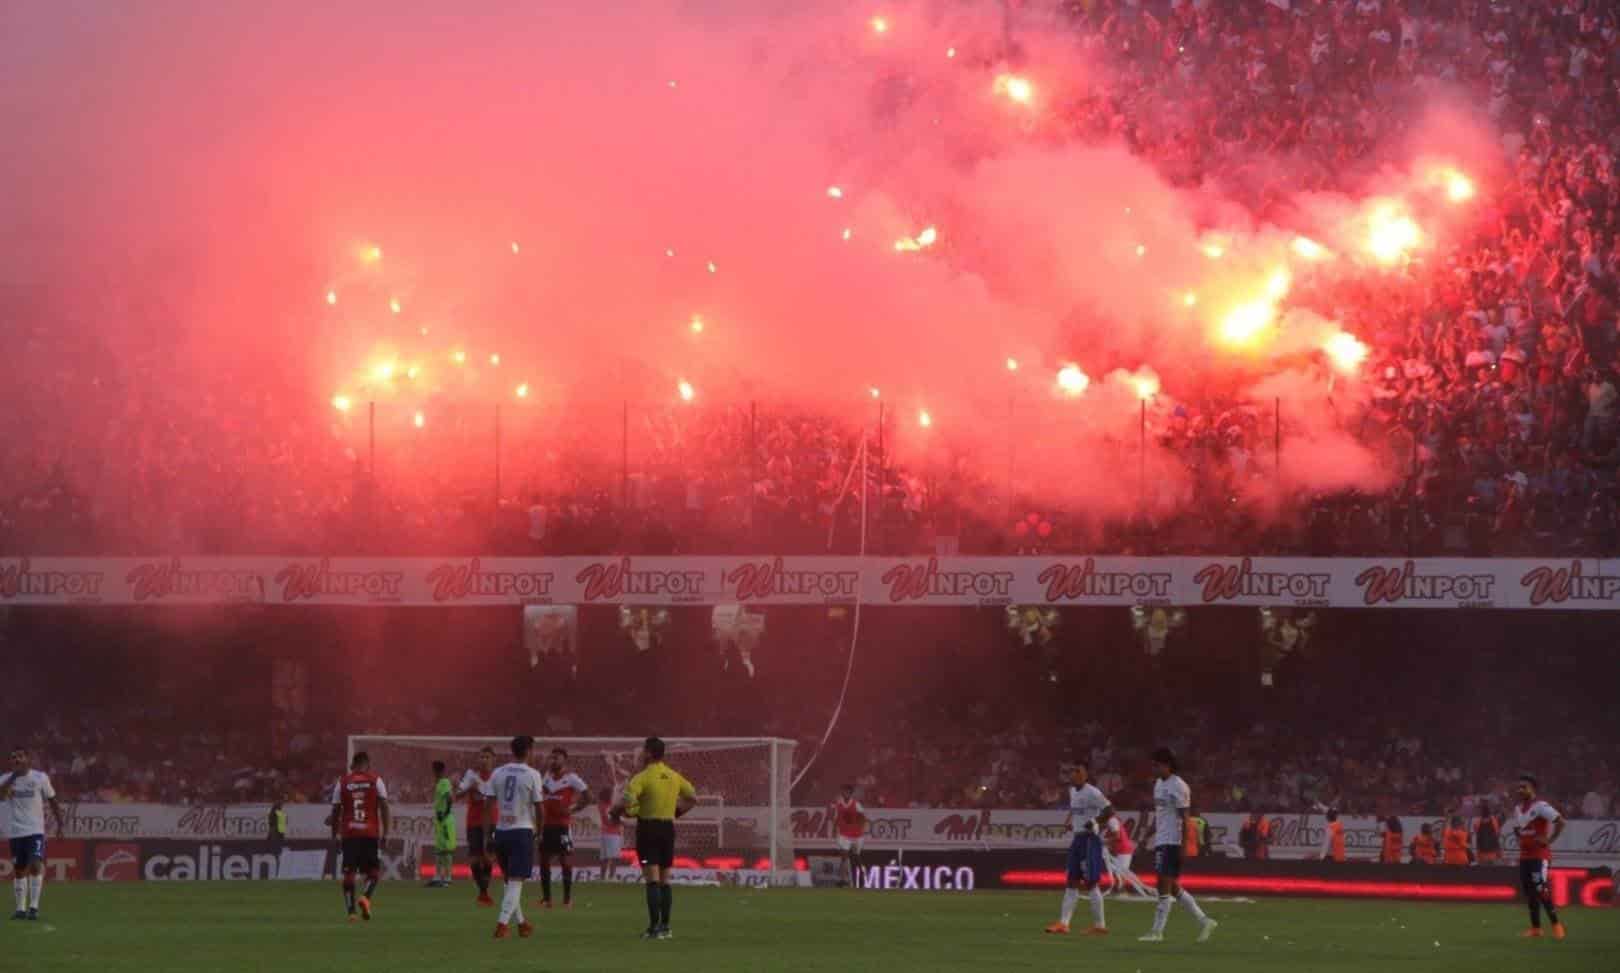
x=655, y=843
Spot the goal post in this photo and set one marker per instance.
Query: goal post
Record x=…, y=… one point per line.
x=742, y=819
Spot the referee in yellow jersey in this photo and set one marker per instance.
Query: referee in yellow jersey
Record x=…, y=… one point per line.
x=655, y=797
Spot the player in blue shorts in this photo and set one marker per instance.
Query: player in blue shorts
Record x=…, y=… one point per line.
x=24, y=794
x=1086, y=862
x=513, y=795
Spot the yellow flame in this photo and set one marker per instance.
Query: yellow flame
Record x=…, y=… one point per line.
x=1141, y=249
x=412, y=372
x=846, y=233
x=382, y=371
x=515, y=247
x=393, y=304
x=420, y=420
x=950, y=52
x=1189, y=299
x=495, y=359
x=1147, y=386
x=875, y=392
x=331, y=297
x=1245, y=324
x=1278, y=283
x=1459, y=188
x=686, y=391
x=697, y=324
x=834, y=192
x=342, y=403
x=1391, y=233
x=522, y=391
x=712, y=267
x=1345, y=350
x=459, y=357
x=1012, y=364
x=1072, y=380
x=1214, y=251
x=372, y=254
x=924, y=419
x=880, y=25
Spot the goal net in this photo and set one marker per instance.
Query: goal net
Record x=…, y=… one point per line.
x=741, y=820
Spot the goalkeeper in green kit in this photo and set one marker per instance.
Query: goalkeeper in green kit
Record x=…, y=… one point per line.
x=444, y=827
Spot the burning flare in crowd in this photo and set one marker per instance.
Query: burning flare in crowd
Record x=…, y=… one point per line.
x=1072, y=380
x=1016, y=88
x=1346, y=351
x=1391, y=233
x=1245, y=325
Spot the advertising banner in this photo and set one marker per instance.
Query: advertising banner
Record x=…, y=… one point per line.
x=762, y=581
x=1586, y=843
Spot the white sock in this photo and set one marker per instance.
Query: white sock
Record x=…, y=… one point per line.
x=19, y=891
x=1190, y=905
x=1071, y=898
x=511, y=900
x=1097, y=908
x=35, y=884
x=1161, y=912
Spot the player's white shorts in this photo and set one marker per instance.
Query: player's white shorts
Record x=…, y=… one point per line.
x=1119, y=863
x=612, y=844
x=850, y=844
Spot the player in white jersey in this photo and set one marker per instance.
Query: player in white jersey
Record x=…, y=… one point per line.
x=1085, y=866
x=512, y=799
x=1171, y=799
x=25, y=792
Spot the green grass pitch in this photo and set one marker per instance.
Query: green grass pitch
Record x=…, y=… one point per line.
x=300, y=926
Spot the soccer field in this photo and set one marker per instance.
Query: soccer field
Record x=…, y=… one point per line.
x=150, y=926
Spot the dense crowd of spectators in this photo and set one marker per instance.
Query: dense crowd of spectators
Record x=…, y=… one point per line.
x=1493, y=364
x=947, y=707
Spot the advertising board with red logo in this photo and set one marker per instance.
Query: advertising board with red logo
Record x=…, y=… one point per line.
x=1509, y=583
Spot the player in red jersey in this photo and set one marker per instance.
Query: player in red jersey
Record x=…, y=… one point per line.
x=1538, y=827
x=564, y=792
x=480, y=834
x=849, y=825
x=360, y=823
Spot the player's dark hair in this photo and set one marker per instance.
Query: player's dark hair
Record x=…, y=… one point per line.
x=1333, y=814
x=438, y=766
x=1531, y=780
x=655, y=748
x=1105, y=813
x=849, y=786
x=361, y=759
x=1164, y=756
x=488, y=750
x=521, y=745
x=558, y=751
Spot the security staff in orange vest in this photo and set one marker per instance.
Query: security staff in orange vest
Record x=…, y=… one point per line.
x=1333, y=838
x=1454, y=844
x=1424, y=851
x=1394, y=836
